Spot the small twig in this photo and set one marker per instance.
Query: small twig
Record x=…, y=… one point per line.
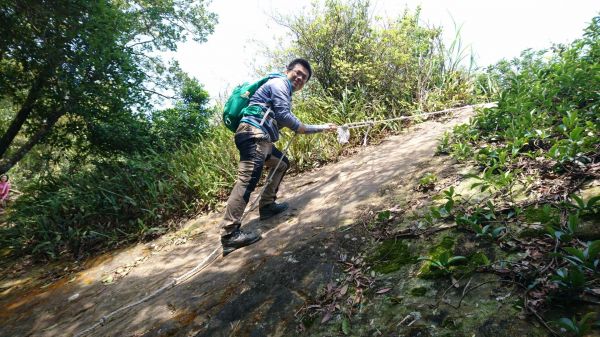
x=404, y=319
x=591, y=293
x=583, y=300
x=429, y=231
x=535, y=313
x=541, y=320
x=158, y=93
x=434, y=306
x=525, y=302
x=553, y=261
x=467, y=290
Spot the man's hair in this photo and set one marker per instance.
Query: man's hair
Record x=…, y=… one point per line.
x=303, y=63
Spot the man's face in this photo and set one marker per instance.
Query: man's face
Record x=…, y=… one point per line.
x=298, y=76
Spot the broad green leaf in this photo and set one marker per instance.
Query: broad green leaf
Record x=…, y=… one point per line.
x=593, y=249
x=456, y=259
x=573, y=223
x=568, y=324
x=579, y=201
x=575, y=252
x=498, y=231
x=592, y=202
x=346, y=326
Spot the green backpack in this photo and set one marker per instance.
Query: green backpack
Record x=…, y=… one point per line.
x=239, y=99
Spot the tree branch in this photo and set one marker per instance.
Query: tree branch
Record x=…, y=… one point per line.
x=7, y=163
x=32, y=97
x=158, y=94
x=139, y=43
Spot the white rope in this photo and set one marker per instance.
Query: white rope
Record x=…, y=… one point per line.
x=371, y=123
x=174, y=282
x=344, y=134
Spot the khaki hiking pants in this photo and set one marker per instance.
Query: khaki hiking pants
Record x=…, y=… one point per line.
x=256, y=151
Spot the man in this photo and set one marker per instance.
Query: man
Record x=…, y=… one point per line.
x=254, y=139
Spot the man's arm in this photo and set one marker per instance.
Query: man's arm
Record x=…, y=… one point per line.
x=307, y=129
x=281, y=104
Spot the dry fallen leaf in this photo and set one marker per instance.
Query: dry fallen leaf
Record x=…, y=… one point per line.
x=343, y=290
x=594, y=291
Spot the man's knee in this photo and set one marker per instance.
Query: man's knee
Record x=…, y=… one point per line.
x=284, y=165
x=250, y=173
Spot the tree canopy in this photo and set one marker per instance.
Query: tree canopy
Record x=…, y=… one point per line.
x=83, y=74
x=399, y=61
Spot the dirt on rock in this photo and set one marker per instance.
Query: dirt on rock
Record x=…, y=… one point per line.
x=255, y=291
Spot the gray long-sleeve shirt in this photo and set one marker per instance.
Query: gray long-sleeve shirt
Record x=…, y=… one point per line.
x=277, y=94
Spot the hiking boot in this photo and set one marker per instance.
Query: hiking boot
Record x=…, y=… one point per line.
x=238, y=239
x=272, y=210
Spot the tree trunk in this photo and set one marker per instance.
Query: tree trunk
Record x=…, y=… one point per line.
x=7, y=163
x=26, y=108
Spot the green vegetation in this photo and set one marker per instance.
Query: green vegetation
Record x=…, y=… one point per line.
x=120, y=201
x=107, y=168
x=368, y=69
x=391, y=255
x=577, y=327
x=397, y=63
x=442, y=262
x=544, y=132
x=546, y=108
x=96, y=164
x=78, y=77
x=514, y=224
x=427, y=182
x=419, y=291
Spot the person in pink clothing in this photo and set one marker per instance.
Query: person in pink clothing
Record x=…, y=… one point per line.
x=4, y=190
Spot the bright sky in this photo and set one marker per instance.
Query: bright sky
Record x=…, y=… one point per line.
x=494, y=29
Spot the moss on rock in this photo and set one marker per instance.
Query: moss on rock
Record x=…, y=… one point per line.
x=391, y=255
